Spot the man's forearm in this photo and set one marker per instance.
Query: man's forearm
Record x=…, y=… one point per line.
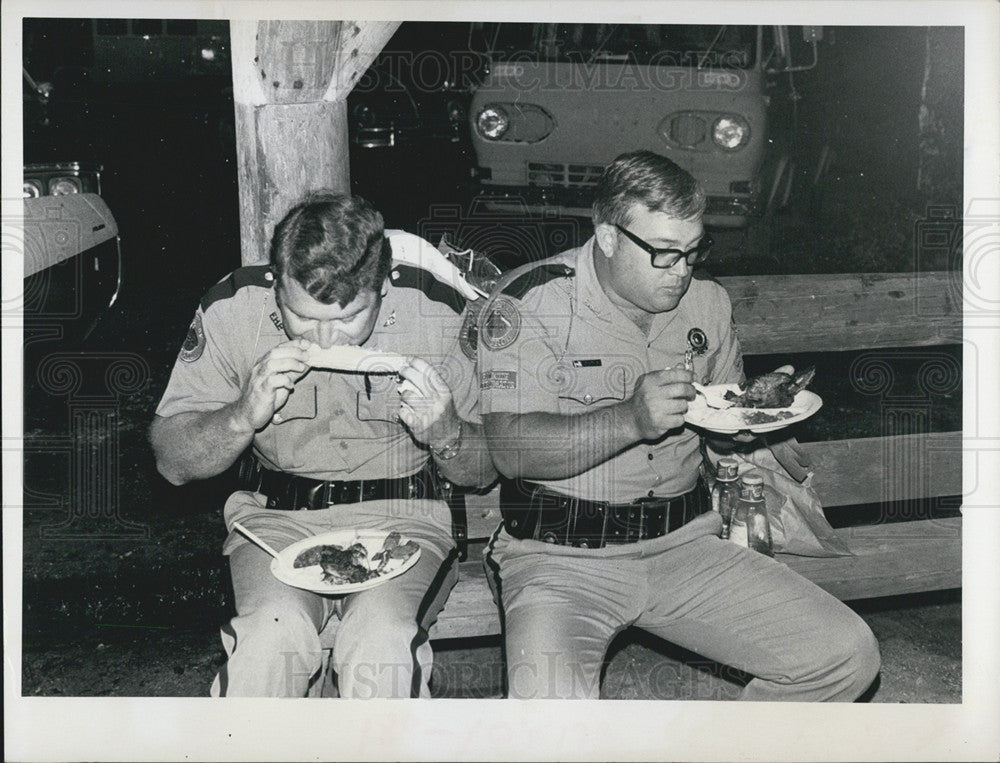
x=555, y=446
x=196, y=445
x=472, y=465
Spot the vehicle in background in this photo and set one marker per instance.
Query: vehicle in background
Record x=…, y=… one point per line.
x=417, y=89
x=73, y=266
x=560, y=101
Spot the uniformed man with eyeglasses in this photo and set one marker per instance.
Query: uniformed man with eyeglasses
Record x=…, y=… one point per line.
x=586, y=367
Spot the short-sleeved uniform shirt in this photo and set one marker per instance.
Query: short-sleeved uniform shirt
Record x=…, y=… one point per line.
x=335, y=425
x=552, y=341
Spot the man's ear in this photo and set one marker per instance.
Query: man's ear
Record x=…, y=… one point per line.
x=385, y=286
x=607, y=238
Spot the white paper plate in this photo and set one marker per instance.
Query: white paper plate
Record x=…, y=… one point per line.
x=732, y=420
x=311, y=578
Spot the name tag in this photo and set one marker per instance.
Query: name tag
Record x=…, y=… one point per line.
x=586, y=363
x=498, y=380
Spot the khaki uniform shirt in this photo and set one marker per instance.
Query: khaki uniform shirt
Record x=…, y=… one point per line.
x=335, y=425
x=551, y=341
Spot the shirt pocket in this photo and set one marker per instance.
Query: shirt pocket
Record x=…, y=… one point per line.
x=295, y=430
x=591, y=385
x=378, y=406
x=301, y=405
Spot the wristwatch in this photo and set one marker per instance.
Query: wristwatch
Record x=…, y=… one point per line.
x=450, y=450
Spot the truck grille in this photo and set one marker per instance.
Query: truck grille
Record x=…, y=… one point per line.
x=563, y=174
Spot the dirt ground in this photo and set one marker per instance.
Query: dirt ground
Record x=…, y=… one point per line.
x=920, y=640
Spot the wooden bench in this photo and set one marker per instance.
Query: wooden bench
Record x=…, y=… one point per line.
x=815, y=314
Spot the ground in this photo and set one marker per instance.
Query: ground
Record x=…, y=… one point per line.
x=920, y=639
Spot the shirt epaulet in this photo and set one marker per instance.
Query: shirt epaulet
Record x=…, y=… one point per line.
x=409, y=277
x=251, y=275
x=700, y=274
x=536, y=276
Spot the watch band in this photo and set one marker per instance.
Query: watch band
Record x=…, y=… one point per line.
x=450, y=450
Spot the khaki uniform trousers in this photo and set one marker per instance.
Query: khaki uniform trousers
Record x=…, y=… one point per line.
x=380, y=646
x=563, y=606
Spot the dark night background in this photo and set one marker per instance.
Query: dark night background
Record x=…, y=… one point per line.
x=166, y=141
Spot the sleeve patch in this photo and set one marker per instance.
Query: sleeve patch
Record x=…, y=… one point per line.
x=194, y=342
x=501, y=324
x=468, y=337
x=498, y=380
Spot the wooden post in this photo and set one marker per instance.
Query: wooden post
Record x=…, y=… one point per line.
x=290, y=86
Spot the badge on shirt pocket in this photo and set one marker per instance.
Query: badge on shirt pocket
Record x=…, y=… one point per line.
x=301, y=405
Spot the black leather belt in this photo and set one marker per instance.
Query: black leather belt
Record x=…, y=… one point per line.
x=290, y=492
x=531, y=511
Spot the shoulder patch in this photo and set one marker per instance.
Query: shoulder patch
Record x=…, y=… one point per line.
x=536, y=276
x=501, y=323
x=251, y=275
x=409, y=277
x=194, y=342
x=468, y=337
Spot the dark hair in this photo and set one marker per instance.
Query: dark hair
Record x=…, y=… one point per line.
x=334, y=245
x=651, y=180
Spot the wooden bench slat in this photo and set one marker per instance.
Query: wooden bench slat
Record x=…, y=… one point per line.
x=830, y=313
x=470, y=610
x=905, y=557
x=882, y=469
x=846, y=473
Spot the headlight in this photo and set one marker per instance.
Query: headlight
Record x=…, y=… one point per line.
x=33, y=189
x=730, y=133
x=492, y=122
x=60, y=186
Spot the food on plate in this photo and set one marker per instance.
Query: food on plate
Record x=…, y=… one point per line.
x=345, y=357
x=340, y=565
x=352, y=564
x=755, y=417
x=774, y=390
x=393, y=548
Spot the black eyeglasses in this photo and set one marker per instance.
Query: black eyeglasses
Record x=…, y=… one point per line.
x=665, y=259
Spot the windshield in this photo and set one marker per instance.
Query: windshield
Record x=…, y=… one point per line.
x=732, y=47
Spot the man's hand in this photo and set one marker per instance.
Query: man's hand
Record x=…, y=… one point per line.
x=660, y=401
x=271, y=381
x=426, y=406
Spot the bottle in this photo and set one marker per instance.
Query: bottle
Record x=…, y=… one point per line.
x=726, y=493
x=758, y=529
x=738, y=525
